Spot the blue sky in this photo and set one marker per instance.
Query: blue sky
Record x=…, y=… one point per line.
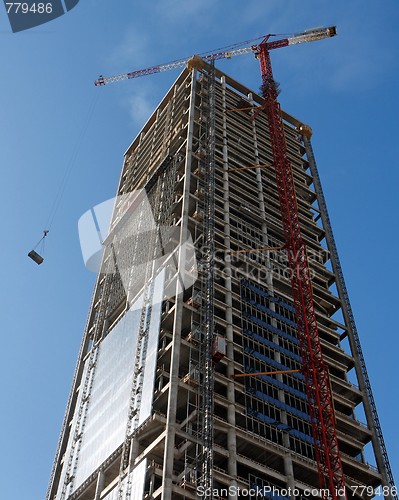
x=345, y=88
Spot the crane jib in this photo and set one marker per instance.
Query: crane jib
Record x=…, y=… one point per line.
x=307, y=36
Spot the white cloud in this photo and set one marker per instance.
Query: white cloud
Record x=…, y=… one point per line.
x=133, y=50
x=141, y=105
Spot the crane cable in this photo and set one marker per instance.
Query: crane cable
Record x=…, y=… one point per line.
x=227, y=48
x=70, y=165
x=244, y=43
x=42, y=241
x=63, y=184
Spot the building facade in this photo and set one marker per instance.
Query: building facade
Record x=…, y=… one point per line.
x=158, y=408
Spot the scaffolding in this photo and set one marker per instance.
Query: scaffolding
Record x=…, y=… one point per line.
x=201, y=363
x=207, y=319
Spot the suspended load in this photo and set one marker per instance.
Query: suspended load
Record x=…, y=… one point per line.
x=33, y=254
x=218, y=348
x=35, y=257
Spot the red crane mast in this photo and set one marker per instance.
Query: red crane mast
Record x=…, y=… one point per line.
x=314, y=368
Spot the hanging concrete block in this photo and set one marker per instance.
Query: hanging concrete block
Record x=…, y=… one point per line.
x=35, y=257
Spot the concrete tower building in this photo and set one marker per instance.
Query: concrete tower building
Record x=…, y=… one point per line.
x=196, y=290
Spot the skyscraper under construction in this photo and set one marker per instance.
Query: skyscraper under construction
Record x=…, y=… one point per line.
x=190, y=380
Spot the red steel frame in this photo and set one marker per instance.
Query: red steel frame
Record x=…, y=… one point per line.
x=314, y=369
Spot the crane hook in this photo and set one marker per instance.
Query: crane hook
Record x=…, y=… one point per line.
x=33, y=254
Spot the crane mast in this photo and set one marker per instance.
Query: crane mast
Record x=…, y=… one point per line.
x=314, y=368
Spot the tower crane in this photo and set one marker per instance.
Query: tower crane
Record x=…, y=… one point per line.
x=311, y=35
x=314, y=369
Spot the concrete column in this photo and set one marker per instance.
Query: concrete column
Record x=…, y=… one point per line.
x=289, y=473
x=231, y=412
x=134, y=450
x=175, y=354
x=99, y=485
